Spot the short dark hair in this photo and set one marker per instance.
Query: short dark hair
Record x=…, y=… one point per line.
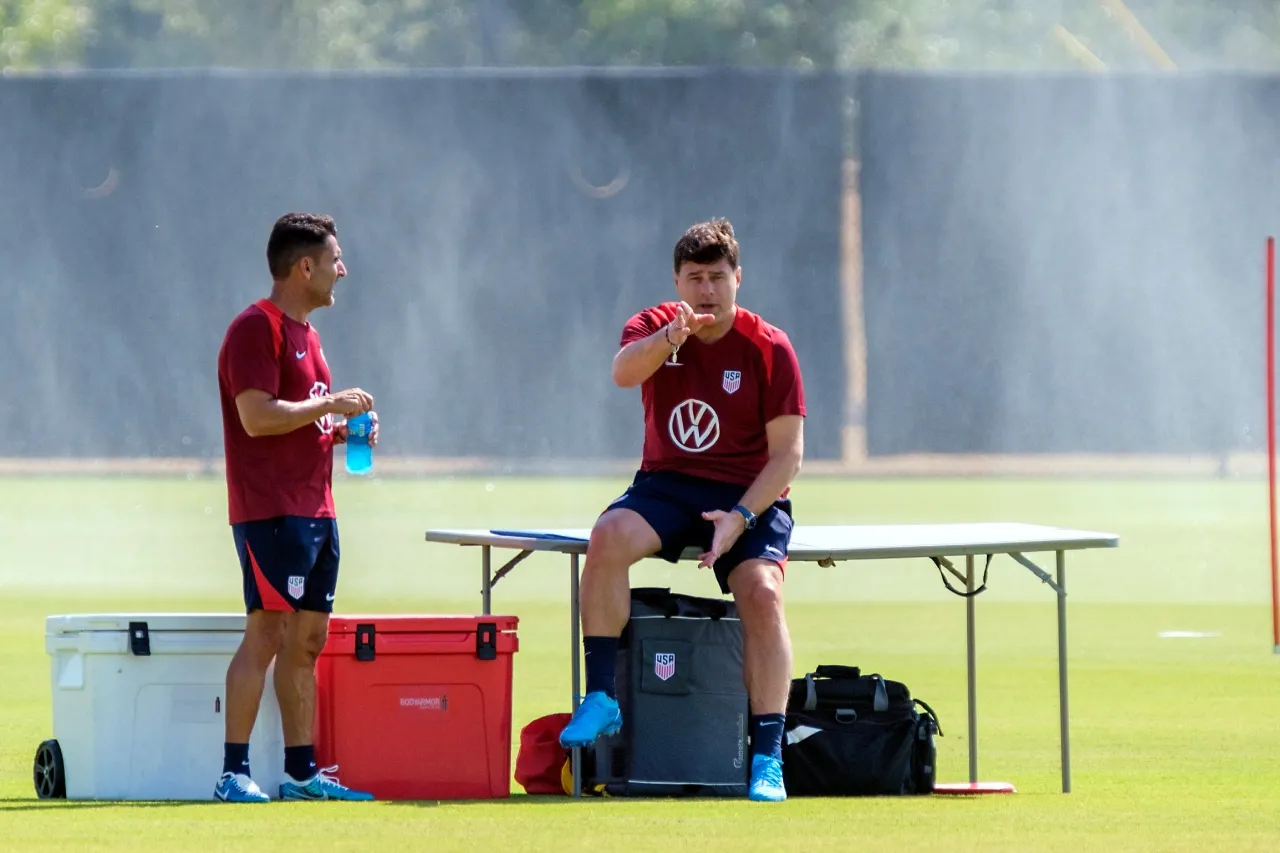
x=295, y=235
x=706, y=243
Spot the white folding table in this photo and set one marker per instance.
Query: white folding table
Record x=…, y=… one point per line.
x=827, y=545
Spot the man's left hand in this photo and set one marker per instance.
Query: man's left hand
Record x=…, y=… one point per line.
x=341, y=431
x=729, y=526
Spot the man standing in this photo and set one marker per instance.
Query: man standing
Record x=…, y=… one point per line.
x=279, y=432
x=724, y=412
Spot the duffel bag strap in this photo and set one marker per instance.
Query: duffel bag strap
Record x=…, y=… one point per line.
x=938, y=561
x=880, y=703
x=932, y=715
x=835, y=671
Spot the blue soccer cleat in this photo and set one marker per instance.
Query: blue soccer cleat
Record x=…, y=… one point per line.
x=766, y=780
x=239, y=788
x=322, y=786
x=597, y=715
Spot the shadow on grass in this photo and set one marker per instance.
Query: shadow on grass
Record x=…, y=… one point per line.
x=17, y=804
x=552, y=800
x=20, y=804
x=512, y=801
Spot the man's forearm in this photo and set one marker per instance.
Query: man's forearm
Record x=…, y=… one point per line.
x=771, y=482
x=278, y=417
x=639, y=360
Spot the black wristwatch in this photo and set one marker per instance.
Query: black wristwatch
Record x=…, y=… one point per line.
x=747, y=515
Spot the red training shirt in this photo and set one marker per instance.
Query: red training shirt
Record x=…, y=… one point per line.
x=274, y=475
x=706, y=415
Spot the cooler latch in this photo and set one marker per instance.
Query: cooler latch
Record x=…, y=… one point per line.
x=364, y=641
x=139, y=639
x=487, y=641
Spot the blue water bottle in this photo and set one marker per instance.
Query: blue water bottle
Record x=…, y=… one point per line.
x=359, y=453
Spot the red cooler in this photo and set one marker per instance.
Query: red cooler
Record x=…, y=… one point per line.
x=417, y=707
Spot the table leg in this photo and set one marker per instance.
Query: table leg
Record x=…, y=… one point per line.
x=1062, y=672
x=972, y=667
x=486, y=580
x=573, y=656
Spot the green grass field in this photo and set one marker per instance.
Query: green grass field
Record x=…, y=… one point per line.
x=1176, y=742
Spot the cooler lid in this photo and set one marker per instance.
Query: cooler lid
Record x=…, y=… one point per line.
x=395, y=623
x=76, y=623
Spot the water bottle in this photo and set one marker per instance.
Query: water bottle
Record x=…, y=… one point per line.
x=359, y=453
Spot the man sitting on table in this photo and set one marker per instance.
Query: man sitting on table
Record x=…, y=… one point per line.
x=724, y=413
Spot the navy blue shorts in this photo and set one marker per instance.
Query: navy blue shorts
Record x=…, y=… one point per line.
x=289, y=563
x=673, y=504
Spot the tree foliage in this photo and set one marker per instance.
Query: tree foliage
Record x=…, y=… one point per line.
x=42, y=33
x=943, y=34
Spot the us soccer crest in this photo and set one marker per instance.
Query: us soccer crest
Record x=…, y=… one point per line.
x=296, y=583
x=732, y=381
x=664, y=665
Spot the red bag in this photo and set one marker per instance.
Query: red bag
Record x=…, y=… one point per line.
x=541, y=760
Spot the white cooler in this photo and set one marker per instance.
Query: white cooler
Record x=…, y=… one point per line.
x=139, y=714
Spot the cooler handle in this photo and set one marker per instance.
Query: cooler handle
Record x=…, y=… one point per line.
x=139, y=639
x=365, y=633
x=487, y=641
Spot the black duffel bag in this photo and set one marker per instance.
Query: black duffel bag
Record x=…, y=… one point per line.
x=849, y=734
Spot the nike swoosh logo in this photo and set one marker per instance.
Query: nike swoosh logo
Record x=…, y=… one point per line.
x=303, y=793
x=301, y=355
x=329, y=597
